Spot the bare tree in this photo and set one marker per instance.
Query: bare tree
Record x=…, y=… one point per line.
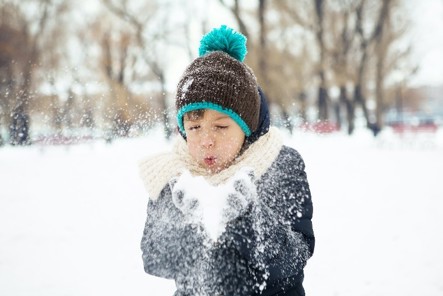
x=311, y=16
x=13, y=54
x=115, y=58
x=54, y=61
x=389, y=57
x=357, y=47
x=366, y=40
x=352, y=41
x=29, y=21
x=381, y=47
x=19, y=69
x=259, y=56
x=236, y=11
x=299, y=49
x=147, y=41
x=343, y=35
x=263, y=46
x=319, y=33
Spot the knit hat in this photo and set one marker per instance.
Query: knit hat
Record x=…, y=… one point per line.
x=219, y=80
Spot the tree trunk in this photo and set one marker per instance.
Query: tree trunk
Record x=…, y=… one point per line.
x=381, y=53
x=322, y=91
x=164, y=107
x=399, y=102
x=359, y=99
x=20, y=119
x=365, y=43
x=263, y=67
x=241, y=23
x=322, y=103
x=343, y=96
x=235, y=10
x=287, y=121
x=349, y=107
x=19, y=127
x=379, y=95
x=303, y=106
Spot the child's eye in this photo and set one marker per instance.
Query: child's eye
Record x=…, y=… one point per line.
x=221, y=127
x=194, y=127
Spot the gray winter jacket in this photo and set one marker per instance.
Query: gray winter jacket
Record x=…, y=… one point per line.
x=262, y=252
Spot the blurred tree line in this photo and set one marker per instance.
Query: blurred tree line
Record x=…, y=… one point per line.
x=103, y=70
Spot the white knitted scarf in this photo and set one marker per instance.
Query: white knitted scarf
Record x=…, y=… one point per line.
x=157, y=170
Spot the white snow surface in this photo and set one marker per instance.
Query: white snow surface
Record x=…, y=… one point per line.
x=71, y=218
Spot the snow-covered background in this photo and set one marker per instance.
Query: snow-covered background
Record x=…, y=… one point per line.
x=71, y=217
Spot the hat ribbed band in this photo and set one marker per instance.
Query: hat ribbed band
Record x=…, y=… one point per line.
x=212, y=106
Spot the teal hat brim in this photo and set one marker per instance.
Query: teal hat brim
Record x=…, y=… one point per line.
x=208, y=105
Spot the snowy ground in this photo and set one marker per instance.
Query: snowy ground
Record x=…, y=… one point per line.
x=71, y=218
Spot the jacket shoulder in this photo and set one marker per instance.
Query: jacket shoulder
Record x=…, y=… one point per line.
x=289, y=159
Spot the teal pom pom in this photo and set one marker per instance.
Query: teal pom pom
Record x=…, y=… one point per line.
x=224, y=39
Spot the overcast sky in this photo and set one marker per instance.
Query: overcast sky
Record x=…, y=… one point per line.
x=427, y=16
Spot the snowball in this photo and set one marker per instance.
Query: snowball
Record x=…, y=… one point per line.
x=213, y=206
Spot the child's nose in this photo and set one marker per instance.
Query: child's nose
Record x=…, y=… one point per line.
x=207, y=140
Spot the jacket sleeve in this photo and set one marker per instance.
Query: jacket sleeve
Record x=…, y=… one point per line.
x=300, y=203
x=283, y=215
x=285, y=191
x=168, y=244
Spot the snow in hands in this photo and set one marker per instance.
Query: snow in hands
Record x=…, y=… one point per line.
x=213, y=206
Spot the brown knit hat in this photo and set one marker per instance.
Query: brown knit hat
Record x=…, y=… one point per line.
x=219, y=80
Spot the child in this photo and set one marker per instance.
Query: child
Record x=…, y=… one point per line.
x=223, y=119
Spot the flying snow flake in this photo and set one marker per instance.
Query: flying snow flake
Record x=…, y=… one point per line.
x=186, y=86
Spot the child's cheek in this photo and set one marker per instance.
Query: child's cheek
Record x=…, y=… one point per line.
x=196, y=151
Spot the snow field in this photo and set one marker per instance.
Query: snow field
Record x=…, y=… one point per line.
x=71, y=218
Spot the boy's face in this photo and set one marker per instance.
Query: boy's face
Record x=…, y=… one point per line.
x=213, y=138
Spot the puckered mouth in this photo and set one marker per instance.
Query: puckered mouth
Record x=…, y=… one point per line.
x=210, y=160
